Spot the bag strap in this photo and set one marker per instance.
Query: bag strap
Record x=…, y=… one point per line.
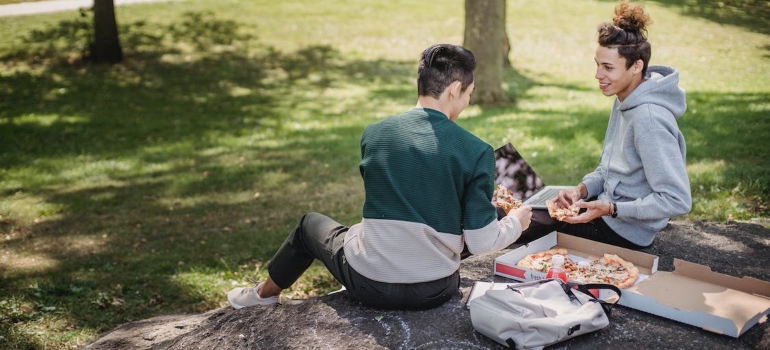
x=569, y=287
x=606, y=306
x=585, y=287
x=566, y=287
x=515, y=287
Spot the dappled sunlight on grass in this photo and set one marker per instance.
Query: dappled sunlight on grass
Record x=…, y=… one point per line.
x=204, y=281
x=26, y=264
x=44, y=120
x=716, y=195
x=26, y=207
x=156, y=185
x=317, y=281
x=709, y=170
x=559, y=129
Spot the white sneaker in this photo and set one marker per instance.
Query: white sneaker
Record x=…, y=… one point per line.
x=245, y=297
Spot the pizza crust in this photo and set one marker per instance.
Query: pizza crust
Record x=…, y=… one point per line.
x=617, y=271
x=609, y=269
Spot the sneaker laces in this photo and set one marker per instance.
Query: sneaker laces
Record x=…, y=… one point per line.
x=255, y=289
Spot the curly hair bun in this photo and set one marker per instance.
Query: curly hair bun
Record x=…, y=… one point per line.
x=628, y=34
x=630, y=17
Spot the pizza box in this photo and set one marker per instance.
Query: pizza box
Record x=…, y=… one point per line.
x=691, y=294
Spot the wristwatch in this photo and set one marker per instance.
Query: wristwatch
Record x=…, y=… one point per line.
x=614, y=210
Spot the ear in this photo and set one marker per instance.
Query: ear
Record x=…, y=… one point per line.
x=638, y=66
x=455, y=89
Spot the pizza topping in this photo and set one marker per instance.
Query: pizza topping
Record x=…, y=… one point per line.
x=561, y=213
x=583, y=266
x=609, y=269
x=504, y=199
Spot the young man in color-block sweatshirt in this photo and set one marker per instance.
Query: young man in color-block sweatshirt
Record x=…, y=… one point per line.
x=429, y=186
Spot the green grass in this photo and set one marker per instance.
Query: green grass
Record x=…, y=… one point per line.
x=5, y=2
x=156, y=185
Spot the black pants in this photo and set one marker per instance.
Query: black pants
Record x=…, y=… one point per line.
x=320, y=237
x=595, y=230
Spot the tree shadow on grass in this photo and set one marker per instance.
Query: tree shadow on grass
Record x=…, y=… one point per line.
x=168, y=116
x=120, y=251
x=727, y=130
x=159, y=95
x=165, y=121
x=753, y=15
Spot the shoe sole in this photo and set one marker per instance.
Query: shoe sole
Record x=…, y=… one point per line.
x=238, y=306
x=234, y=305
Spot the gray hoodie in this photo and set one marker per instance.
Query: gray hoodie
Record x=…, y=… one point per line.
x=642, y=166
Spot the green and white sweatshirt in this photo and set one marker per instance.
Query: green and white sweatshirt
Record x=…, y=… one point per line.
x=429, y=186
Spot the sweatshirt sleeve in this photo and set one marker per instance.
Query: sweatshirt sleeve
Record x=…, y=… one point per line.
x=594, y=182
x=493, y=237
x=482, y=231
x=661, y=148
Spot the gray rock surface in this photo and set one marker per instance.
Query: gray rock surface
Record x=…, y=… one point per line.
x=337, y=322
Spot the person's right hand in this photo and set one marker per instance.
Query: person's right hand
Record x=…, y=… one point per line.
x=523, y=214
x=570, y=196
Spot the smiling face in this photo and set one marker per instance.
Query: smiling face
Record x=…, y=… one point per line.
x=613, y=76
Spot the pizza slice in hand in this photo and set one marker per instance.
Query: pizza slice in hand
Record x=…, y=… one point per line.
x=561, y=213
x=504, y=199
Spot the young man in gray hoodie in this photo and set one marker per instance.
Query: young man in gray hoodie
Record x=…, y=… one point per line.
x=641, y=181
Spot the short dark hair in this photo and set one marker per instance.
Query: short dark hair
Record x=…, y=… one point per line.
x=441, y=65
x=628, y=33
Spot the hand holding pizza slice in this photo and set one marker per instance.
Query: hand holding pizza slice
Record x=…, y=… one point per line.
x=560, y=213
x=504, y=199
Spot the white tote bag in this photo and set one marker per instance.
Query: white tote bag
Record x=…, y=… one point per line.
x=532, y=315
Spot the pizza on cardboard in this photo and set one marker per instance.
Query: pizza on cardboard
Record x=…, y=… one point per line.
x=692, y=294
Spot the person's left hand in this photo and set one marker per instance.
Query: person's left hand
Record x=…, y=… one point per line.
x=594, y=209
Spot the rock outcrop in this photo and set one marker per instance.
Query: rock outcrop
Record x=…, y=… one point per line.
x=338, y=322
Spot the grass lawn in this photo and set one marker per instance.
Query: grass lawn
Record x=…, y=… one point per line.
x=6, y=2
x=156, y=185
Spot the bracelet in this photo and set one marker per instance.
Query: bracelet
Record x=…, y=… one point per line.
x=614, y=210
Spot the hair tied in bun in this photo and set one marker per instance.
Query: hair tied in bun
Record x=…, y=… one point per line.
x=630, y=17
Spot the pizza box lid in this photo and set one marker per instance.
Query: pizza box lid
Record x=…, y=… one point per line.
x=692, y=294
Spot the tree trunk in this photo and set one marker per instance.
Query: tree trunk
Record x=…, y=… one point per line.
x=506, y=51
x=106, y=45
x=485, y=37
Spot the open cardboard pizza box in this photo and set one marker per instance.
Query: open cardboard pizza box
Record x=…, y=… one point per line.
x=692, y=293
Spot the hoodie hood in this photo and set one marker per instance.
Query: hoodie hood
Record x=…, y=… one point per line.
x=660, y=87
